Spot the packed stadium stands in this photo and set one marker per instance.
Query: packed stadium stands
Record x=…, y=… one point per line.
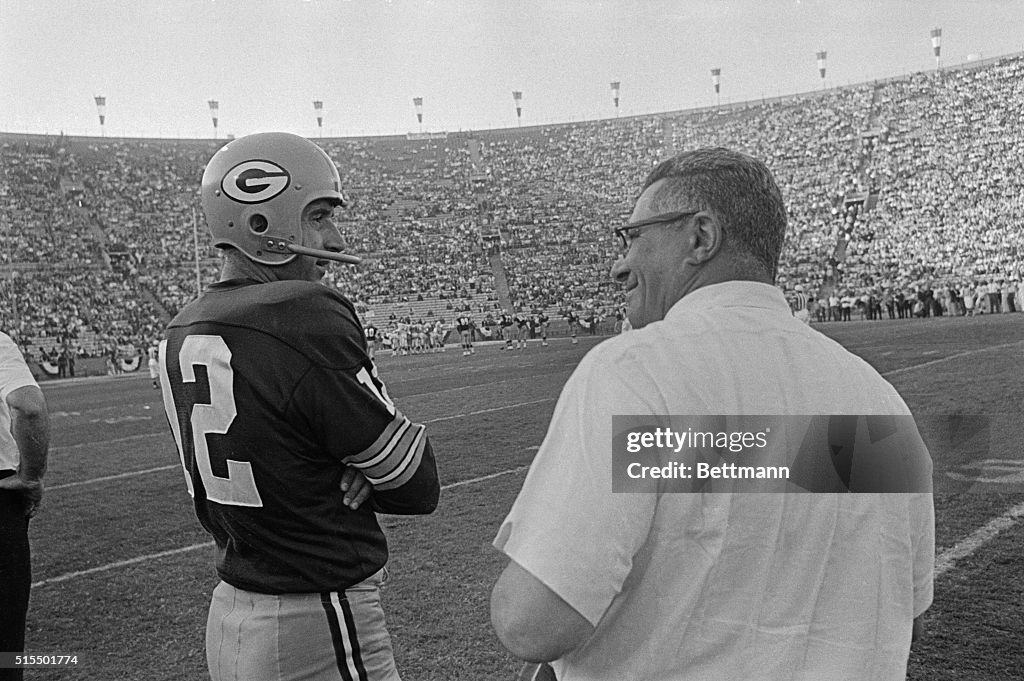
x=904, y=200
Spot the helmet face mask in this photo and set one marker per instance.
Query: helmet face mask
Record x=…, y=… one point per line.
x=255, y=188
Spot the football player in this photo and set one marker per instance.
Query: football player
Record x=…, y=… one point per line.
x=505, y=321
x=541, y=322
x=522, y=329
x=573, y=319
x=288, y=438
x=371, y=340
x=464, y=325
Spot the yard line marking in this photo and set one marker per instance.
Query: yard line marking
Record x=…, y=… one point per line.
x=965, y=547
x=483, y=478
x=105, y=478
x=118, y=564
x=116, y=440
x=958, y=355
x=492, y=409
x=185, y=549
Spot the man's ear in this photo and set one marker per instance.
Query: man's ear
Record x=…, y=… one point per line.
x=706, y=238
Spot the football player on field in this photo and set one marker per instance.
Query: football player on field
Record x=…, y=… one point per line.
x=522, y=329
x=371, y=340
x=541, y=322
x=505, y=321
x=464, y=325
x=288, y=438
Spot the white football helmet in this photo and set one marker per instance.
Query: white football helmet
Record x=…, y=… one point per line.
x=255, y=188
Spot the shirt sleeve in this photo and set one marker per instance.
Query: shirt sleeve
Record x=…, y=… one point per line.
x=14, y=373
x=566, y=527
x=923, y=512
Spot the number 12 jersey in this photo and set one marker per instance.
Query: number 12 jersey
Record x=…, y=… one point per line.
x=270, y=395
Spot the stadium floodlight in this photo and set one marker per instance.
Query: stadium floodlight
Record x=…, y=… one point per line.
x=937, y=46
x=615, y=96
x=214, y=114
x=101, y=108
x=716, y=80
x=821, y=66
x=418, y=103
x=517, y=96
x=318, y=108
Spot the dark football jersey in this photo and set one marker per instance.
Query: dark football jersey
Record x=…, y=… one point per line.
x=371, y=332
x=270, y=395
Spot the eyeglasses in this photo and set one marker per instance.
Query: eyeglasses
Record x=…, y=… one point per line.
x=631, y=230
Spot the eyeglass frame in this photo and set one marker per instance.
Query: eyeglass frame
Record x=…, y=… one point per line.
x=661, y=218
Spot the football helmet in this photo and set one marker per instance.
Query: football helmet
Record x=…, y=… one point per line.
x=255, y=188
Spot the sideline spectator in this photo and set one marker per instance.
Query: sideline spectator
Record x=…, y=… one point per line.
x=24, y=443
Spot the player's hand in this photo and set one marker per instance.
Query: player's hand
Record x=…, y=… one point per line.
x=32, y=490
x=356, y=487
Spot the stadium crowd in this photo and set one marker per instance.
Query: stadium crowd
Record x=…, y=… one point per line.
x=101, y=252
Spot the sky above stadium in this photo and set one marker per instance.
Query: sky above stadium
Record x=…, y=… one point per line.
x=158, y=62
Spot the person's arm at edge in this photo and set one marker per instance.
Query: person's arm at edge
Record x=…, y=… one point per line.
x=30, y=425
x=532, y=621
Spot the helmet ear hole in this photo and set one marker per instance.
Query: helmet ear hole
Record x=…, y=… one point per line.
x=258, y=223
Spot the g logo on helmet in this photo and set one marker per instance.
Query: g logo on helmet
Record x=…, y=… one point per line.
x=255, y=181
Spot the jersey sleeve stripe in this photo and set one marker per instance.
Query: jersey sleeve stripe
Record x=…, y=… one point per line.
x=381, y=458
x=382, y=468
x=403, y=474
x=383, y=443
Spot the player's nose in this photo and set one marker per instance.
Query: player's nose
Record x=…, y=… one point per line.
x=333, y=240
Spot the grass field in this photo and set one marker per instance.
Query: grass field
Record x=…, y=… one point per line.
x=123, y=571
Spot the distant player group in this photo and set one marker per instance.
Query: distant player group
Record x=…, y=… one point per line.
x=513, y=329
x=408, y=337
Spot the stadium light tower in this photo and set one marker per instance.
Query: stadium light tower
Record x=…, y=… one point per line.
x=101, y=107
x=318, y=108
x=821, y=66
x=517, y=96
x=214, y=114
x=615, y=96
x=716, y=80
x=418, y=103
x=937, y=46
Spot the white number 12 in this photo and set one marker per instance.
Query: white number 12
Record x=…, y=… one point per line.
x=239, y=487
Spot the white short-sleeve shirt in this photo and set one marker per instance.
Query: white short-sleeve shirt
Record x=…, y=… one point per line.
x=14, y=374
x=721, y=586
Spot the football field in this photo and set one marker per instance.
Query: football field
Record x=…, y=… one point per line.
x=123, y=571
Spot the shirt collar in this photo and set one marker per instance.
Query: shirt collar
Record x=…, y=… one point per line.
x=730, y=294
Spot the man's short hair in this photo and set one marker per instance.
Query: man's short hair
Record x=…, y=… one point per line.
x=738, y=188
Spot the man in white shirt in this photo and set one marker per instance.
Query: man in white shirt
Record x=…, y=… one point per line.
x=697, y=585
x=24, y=443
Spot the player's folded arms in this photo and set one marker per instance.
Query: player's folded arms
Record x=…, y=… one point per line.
x=401, y=468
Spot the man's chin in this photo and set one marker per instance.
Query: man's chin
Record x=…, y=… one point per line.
x=636, y=319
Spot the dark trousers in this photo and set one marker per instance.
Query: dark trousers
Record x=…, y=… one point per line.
x=15, y=577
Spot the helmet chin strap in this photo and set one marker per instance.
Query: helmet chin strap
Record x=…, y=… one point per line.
x=326, y=255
